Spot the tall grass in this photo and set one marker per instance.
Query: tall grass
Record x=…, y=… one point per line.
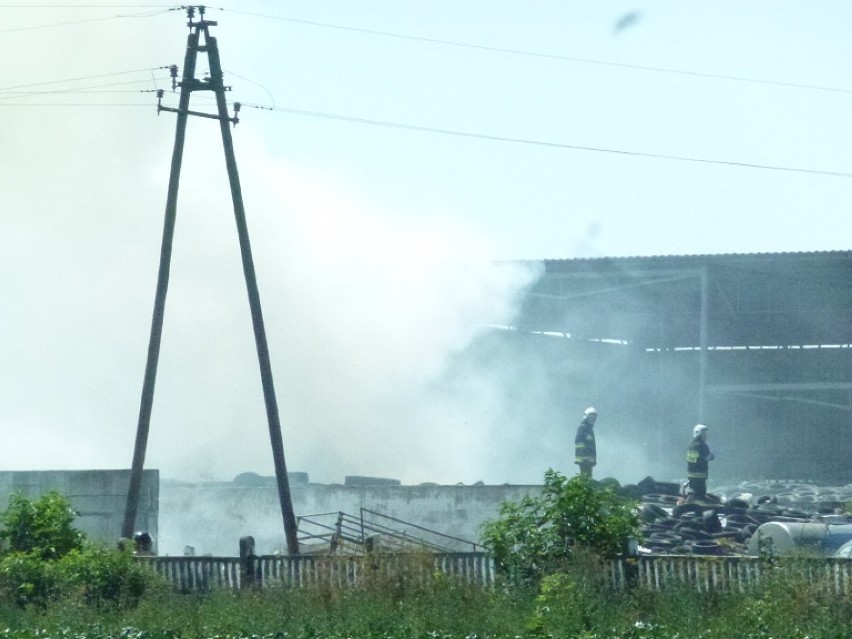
x=406, y=603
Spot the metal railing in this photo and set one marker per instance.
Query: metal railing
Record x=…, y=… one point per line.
x=339, y=532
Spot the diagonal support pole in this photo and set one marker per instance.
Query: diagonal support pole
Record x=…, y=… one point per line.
x=160, y=298
x=287, y=513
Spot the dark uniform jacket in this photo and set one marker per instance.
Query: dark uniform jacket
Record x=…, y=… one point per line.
x=585, y=451
x=696, y=459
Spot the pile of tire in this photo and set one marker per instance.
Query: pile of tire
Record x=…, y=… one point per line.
x=801, y=496
x=724, y=523
x=673, y=528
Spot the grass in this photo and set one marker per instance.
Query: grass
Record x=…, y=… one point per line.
x=575, y=604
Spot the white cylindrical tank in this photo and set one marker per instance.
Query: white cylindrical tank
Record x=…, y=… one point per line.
x=790, y=538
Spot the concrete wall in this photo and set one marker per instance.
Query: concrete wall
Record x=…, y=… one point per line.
x=212, y=517
x=98, y=496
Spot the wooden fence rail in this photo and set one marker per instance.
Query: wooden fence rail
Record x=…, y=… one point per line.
x=704, y=574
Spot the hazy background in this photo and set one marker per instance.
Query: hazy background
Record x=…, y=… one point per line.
x=374, y=244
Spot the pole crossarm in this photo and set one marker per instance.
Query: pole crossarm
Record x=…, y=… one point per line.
x=213, y=116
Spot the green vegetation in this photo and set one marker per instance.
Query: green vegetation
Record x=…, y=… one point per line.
x=577, y=603
x=538, y=535
x=44, y=559
x=55, y=584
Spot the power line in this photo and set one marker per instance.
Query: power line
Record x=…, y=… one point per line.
x=57, y=24
x=7, y=95
x=80, y=78
x=544, y=143
x=75, y=104
x=452, y=43
x=88, y=6
x=65, y=23
x=257, y=84
x=457, y=133
x=423, y=129
x=549, y=56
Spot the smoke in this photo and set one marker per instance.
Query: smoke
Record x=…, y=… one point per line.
x=365, y=311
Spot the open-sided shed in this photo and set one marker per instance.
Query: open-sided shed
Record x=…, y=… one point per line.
x=756, y=344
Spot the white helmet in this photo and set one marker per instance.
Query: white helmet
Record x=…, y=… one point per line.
x=591, y=410
x=700, y=430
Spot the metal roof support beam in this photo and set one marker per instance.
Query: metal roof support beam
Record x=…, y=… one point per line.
x=704, y=279
x=780, y=387
x=847, y=406
x=682, y=275
x=776, y=392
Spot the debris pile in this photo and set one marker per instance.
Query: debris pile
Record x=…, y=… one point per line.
x=725, y=522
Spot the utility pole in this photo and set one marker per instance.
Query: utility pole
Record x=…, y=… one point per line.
x=188, y=84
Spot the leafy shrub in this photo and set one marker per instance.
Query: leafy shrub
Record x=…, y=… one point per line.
x=538, y=535
x=26, y=578
x=101, y=575
x=45, y=558
x=42, y=527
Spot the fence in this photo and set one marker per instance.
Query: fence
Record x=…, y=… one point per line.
x=725, y=574
x=704, y=574
x=206, y=573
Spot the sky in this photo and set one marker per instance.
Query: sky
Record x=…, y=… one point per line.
x=392, y=155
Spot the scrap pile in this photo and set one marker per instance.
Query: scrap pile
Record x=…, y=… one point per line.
x=726, y=521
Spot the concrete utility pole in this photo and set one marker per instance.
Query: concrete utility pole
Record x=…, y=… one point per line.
x=188, y=84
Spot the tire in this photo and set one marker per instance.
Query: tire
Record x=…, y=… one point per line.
x=711, y=522
x=681, y=509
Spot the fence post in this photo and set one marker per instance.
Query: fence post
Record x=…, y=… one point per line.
x=247, y=573
x=630, y=561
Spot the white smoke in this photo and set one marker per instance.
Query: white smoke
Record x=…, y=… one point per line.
x=364, y=310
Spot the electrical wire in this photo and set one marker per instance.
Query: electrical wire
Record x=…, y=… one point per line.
x=411, y=127
x=89, y=6
x=544, y=143
x=77, y=104
x=481, y=136
x=65, y=23
x=534, y=54
x=81, y=78
x=6, y=95
x=440, y=41
x=257, y=84
x=458, y=133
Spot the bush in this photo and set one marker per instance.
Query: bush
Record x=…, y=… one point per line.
x=536, y=536
x=26, y=578
x=100, y=575
x=45, y=558
x=42, y=528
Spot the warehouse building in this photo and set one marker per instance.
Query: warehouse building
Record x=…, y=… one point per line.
x=757, y=346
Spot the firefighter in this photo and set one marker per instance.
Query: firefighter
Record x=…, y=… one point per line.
x=697, y=458
x=585, y=452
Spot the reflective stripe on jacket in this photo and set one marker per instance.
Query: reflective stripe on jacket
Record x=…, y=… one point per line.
x=696, y=459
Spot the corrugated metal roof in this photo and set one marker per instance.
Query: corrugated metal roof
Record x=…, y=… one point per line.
x=753, y=298
x=710, y=257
